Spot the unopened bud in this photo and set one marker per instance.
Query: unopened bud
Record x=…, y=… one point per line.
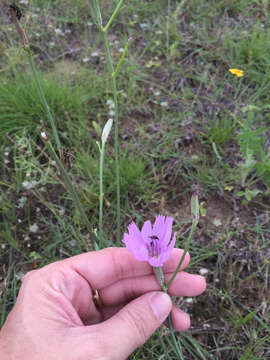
x=44, y=136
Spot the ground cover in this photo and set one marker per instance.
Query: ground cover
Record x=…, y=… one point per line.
x=186, y=124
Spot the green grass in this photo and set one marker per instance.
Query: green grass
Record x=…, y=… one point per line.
x=185, y=121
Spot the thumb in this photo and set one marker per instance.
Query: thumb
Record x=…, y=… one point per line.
x=135, y=323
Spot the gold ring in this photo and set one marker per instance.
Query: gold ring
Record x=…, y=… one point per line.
x=97, y=299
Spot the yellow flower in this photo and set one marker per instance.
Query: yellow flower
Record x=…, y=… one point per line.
x=237, y=72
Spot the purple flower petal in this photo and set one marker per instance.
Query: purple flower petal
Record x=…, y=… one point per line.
x=152, y=245
x=146, y=230
x=159, y=226
x=168, y=233
x=167, y=253
x=155, y=262
x=139, y=251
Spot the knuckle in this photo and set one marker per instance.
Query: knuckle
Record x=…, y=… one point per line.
x=28, y=276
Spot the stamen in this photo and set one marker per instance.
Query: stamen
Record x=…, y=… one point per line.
x=153, y=248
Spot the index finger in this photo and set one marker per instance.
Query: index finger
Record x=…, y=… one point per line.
x=105, y=267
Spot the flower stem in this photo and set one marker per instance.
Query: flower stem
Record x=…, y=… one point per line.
x=160, y=278
x=113, y=15
x=121, y=59
x=178, y=348
x=101, y=194
x=116, y=140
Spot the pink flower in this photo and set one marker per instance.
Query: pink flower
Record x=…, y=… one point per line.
x=151, y=244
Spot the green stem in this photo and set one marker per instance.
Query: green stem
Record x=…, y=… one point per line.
x=160, y=278
x=121, y=59
x=101, y=194
x=177, y=347
x=113, y=15
x=162, y=344
x=191, y=234
x=44, y=101
x=116, y=140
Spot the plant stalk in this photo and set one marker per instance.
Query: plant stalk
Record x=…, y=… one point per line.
x=116, y=131
x=101, y=194
x=160, y=278
x=113, y=15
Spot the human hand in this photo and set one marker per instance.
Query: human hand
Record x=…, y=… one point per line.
x=55, y=316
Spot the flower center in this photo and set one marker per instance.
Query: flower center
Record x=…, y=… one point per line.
x=153, y=246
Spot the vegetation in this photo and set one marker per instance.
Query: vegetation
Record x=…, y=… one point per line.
x=185, y=124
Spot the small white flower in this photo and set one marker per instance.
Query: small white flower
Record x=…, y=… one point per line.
x=43, y=135
x=89, y=23
x=157, y=93
x=33, y=228
x=6, y=161
x=144, y=26
x=68, y=31
x=59, y=31
x=19, y=275
x=189, y=300
x=25, y=2
x=217, y=222
x=6, y=153
x=206, y=326
x=86, y=59
x=28, y=174
x=51, y=44
x=164, y=103
x=61, y=212
x=72, y=243
x=203, y=271
x=21, y=204
x=110, y=103
x=26, y=185
x=111, y=113
x=29, y=184
x=95, y=54
x=158, y=32
x=121, y=50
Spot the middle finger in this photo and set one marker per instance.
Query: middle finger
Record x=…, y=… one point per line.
x=184, y=284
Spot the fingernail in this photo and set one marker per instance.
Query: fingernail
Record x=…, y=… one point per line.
x=161, y=304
